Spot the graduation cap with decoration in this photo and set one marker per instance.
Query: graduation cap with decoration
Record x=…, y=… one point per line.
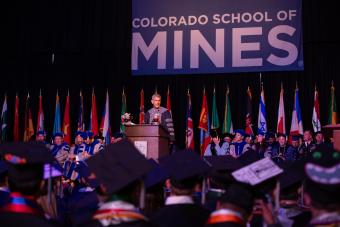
x=156, y=175
x=82, y=134
x=58, y=134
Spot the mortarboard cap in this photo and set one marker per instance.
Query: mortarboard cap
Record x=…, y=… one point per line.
x=118, y=166
x=240, y=131
x=25, y=161
x=81, y=134
x=89, y=134
x=185, y=167
x=249, y=157
x=324, y=155
x=293, y=173
x=58, y=134
x=41, y=132
x=261, y=133
x=257, y=172
x=156, y=175
x=226, y=162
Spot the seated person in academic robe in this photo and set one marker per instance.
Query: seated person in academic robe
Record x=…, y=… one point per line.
x=216, y=147
x=260, y=144
x=160, y=115
x=119, y=170
x=307, y=146
x=60, y=149
x=40, y=137
x=25, y=179
x=238, y=146
x=185, y=168
x=234, y=207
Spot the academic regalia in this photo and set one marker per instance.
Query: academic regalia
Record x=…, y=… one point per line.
x=185, y=168
x=236, y=149
x=306, y=148
x=121, y=165
x=225, y=218
x=217, y=149
x=165, y=119
x=25, y=163
x=60, y=152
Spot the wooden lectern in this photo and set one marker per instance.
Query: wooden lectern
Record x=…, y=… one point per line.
x=333, y=131
x=151, y=140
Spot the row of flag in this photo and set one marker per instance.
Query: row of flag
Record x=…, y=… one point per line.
x=204, y=123
x=296, y=127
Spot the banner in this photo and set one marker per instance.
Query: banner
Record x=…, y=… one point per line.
x=216, y=36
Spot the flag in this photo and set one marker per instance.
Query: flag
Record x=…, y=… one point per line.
x=56, y=126
x=29, y=129
x=168, y=101
x=16, y=135
x=66, y=120
x=81, y=125
x=296, y=127
x=40, y=120
x=141, y=108
x=93, y=127
x=4, y=123
x=122, y=112
x=204, y=124
x=105, y=125
x=281, y=117
x=215, y=122
x=227, y=122
x=262, y=123
x=316, y=112
x=189, y=139
x=332, y=114
x=249, y=124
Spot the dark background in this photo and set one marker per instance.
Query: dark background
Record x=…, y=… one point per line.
x=91, y=41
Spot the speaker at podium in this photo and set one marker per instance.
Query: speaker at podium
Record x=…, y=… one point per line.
x=151, y=140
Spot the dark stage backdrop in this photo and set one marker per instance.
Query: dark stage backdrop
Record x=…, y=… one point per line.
x=91, y=43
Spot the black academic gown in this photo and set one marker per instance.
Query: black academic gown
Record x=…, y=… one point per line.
x=181, y=215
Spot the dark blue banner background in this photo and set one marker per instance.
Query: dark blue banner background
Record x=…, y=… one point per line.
x=266, y=35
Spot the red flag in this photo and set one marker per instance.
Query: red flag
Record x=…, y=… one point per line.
x=29, y=129
x=66, y=127
x=281, y=119
x=40, y=120
x=16, y=135
x=94, y=117
x=204, y=124
x=141, y=108
x=190, y=127
x=249, y=129
x=168, y=102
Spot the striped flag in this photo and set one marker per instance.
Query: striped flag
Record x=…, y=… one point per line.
x=189, y=139
x=4, y=124
x=204, y=124
x=66, y=120
x=29, y=129
x=215, y=122
x=57, y=121
x=296, y=127
x=168, y=101
x=316, y=112
x=123, y=111
x=93, y=127
x=141, y=108
x=40, y=120
x=16, y=134
x=262, y=122
x=249, y=124
x=81, y=124
x=332, y=114
x=227, y=122
x=106, y=120
x=281, y=118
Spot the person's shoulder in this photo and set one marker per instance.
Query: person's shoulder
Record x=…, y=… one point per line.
x=19, y=219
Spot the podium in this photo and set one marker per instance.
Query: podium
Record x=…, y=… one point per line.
x=333, y=131
x=151, y=140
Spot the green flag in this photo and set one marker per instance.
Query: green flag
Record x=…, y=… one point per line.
x=332, y=114
x=227, y=123
x=122, y=112
x=4, y=120
x=215, y=121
